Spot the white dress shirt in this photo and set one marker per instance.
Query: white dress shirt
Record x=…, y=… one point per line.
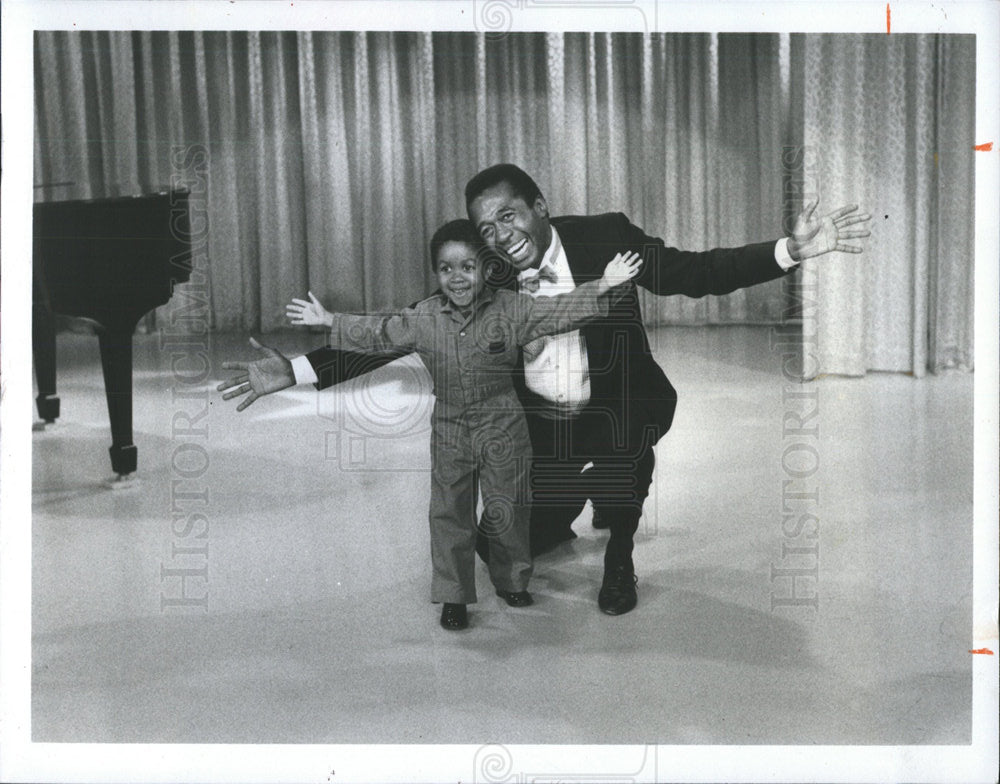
x=558, y=370
x=555, y=366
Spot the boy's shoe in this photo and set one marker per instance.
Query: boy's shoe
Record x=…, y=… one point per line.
x=618, y=595
x=454, y=617
x=516, y=598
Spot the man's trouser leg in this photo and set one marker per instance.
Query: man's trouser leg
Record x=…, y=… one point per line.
x=626, y=481
x=617, y=484
x=557, y=492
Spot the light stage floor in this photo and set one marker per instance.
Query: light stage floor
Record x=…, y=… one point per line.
x=317, y=626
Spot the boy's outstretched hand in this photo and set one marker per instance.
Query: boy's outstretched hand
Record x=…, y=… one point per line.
x=621, y=269
x=272, y=373
x=311, y=313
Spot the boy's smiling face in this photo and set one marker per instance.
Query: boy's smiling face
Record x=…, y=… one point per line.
x=459, y=273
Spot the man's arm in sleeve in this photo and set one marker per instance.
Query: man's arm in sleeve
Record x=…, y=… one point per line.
x=327, y=366
x=273, y=371
x=719, y=271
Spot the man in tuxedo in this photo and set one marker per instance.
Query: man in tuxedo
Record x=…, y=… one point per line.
x=595, y=400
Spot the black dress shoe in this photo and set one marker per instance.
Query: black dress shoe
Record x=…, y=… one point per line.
x=600, y=521
x=516, y=598
x=550, y=540
x=618, y=595
x=454, y=617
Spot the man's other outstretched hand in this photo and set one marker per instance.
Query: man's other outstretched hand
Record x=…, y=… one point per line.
x=272, y=373
x=816, y=236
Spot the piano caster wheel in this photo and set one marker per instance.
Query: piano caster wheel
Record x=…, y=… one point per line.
x=122, y=482
x=48, y=408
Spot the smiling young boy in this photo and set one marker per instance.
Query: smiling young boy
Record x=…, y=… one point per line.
x=469, y=336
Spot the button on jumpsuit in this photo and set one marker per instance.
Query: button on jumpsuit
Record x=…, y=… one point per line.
x=477, y=426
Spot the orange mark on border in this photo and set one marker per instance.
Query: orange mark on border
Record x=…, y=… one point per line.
x=888, y=19
x=984, y=147
x=987, y=651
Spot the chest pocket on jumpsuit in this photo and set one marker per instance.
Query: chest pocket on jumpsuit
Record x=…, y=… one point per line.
x=495, y=344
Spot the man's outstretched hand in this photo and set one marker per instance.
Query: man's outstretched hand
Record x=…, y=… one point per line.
x=272, y=373
x=815, y=236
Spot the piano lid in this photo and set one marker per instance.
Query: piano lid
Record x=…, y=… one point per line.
x=61, y=191
x=111, y=259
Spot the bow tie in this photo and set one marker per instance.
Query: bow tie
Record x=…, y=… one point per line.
x=544, y=273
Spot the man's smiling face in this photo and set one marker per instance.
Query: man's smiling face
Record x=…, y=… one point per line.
x=507, y=223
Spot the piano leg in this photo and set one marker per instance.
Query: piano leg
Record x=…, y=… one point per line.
x=43, y=345
x=116, y=361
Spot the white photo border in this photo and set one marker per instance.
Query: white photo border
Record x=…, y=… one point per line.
x=22, y=760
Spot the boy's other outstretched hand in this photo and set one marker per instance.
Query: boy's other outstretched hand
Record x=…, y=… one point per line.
x=621, y=269
x=272, y=373
x=311, y=313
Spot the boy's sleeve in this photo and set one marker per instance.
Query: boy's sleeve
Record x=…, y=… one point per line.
x=395, y=332
x=538, y=316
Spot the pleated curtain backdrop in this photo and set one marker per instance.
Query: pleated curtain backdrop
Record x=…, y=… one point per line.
x=892, y=127
x=334, y=156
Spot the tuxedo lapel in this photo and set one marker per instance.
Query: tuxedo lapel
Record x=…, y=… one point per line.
x=580, y=251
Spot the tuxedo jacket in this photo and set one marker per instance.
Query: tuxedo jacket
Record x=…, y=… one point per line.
x=626, y=383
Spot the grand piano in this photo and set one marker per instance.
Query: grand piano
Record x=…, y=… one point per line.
x=105, y=262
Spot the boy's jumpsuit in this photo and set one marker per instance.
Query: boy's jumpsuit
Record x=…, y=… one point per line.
x=478, y=424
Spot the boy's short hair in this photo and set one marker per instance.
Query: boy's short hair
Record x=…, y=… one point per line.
x=460, y=230
x=518, y=179
x=496, y=269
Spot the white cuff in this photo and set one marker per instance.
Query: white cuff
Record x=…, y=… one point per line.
x=303, y=370
x=781, y=256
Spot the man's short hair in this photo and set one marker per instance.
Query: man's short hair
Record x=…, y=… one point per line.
x=520, y=182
